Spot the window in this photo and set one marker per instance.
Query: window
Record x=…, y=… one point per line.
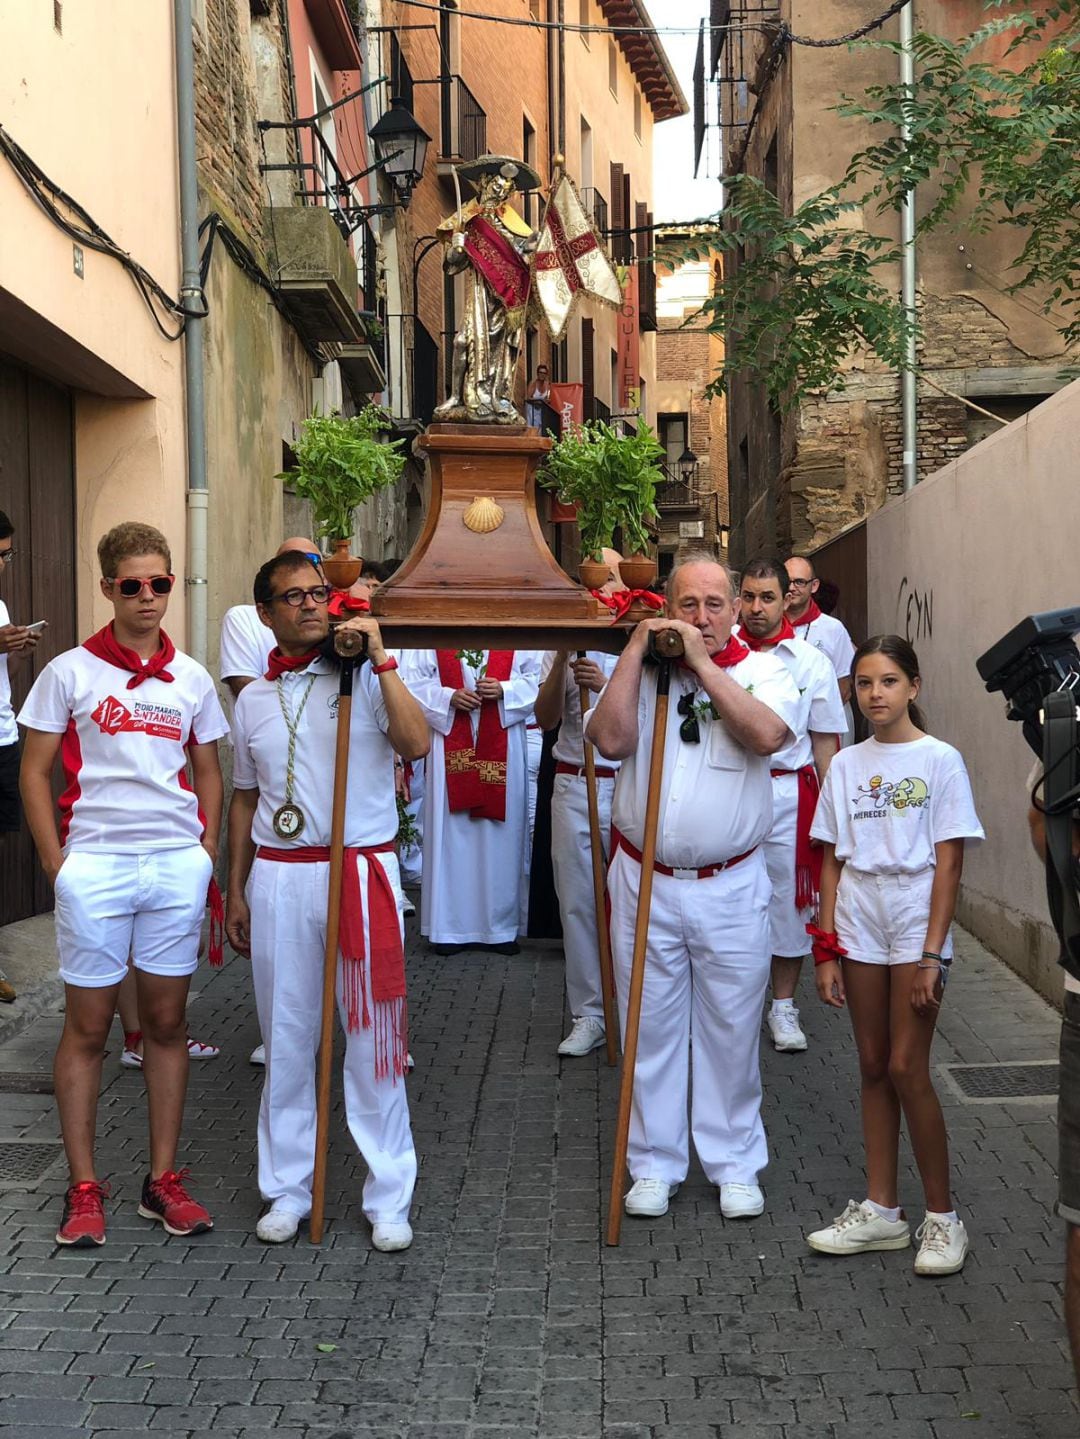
x=616, y=397
x=528, y=154
x=771, y=176
x=586, y=155
x=559, y=364
x=637, y=112
x=583, y=19
x=673, y=437
x=534, y=9
x=613, y=66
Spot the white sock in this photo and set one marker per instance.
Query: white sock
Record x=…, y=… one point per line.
x=779, y=1004
x=952, y=1216
x=892, y=1215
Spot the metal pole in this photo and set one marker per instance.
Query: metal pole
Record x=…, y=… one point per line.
x=908, y=398
x=191, y=296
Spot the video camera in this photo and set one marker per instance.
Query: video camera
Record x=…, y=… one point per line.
x=1037, y=667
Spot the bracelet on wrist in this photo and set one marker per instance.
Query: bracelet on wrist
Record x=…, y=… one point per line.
x=387, y=664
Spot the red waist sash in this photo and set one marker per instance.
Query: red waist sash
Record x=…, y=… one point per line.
x=808, y=856
x=387, y=952
x=476, y=774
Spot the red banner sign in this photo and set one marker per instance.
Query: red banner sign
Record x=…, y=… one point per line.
x=568, y=401
x=629, y=348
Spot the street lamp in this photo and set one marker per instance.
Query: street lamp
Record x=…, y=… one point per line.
x=400, y=148
x=688, y=463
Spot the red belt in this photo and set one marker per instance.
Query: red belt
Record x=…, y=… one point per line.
x=619, y=841
x=577, y=770
x=387, y=954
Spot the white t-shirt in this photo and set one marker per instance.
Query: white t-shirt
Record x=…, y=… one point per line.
x=820, y=707
x=1032, y=780
x=885, y=806
x=826, y=633
x=124, y=752
x=568, y=747
x=261, y=741
x=245, y=644
x=9, y=730
x=716, y=797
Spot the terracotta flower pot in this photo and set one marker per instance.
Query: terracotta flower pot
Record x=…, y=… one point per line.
x=593, y=573
x=341, y=568
x=638, y=572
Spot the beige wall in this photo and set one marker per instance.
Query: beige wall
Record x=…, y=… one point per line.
x=93, y=106
x=955, y=565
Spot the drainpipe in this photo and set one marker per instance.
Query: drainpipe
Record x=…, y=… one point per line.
x=191, y=296
x=908, y=414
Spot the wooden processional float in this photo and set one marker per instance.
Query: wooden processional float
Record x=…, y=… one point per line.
x=481, y=576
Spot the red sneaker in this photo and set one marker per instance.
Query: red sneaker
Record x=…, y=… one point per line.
x=167, y=1200
x=83, y=1223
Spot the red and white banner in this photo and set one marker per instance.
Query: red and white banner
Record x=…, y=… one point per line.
x=570, y=260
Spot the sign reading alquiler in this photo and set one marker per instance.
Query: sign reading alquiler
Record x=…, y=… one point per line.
x=629, y=346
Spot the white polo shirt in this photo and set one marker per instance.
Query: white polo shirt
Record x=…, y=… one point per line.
x=9, y=730
x=826, y=633
x=885, y=806
x=245, y=644
x=716, y=797
x=261, y=740
x=124, y=752
x=568, y=748
x=820, y=707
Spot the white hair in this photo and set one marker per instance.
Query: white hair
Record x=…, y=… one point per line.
x=700, y=557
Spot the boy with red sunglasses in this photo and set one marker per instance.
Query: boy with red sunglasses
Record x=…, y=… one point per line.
x=130, y=862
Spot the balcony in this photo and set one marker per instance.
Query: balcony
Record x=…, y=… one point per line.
x=600, y=412
x=316, y=273
x=596, y=207
x=412, y=362
x=463, y=132
x=675, y=493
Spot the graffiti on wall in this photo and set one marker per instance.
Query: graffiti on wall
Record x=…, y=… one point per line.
x=914, y=612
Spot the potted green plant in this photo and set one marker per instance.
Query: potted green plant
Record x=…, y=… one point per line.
x=612, y=479
x=340, y=463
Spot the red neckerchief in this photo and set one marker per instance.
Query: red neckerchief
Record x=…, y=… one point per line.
x=621, y=600
x=342, y=603
x=786, y=633
x=731, y=654
x=476, y=774
x=812, y=614
x=105, y=646
x=278, y=664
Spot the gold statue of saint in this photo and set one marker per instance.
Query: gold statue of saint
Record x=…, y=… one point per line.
x=489, y=241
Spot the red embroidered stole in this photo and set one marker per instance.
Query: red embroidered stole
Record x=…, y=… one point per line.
x=476, y=774
x=497, y=262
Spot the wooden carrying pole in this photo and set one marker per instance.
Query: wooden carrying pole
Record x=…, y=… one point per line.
x=665, y=645
x=345, y=641
x=603, y=936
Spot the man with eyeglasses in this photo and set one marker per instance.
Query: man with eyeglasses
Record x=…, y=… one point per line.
x=16, y=644
x=824, y=632
x=284, y=737
x=708, y=953
x=130, y=863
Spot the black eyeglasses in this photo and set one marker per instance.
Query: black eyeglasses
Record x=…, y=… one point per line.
x=689, y=730
x=132, y=585
x=319, y=593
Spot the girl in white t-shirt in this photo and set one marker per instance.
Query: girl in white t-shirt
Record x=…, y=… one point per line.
x=893, y=817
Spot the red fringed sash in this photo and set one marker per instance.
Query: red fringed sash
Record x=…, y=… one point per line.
x=808, y=856
x=216, y=906
x=497, y=262
x=476, y=774
x=387, y=953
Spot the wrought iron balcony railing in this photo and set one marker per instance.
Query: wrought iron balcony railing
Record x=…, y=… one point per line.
x=596, y=206
x=464, y=122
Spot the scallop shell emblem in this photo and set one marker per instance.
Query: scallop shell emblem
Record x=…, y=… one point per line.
x=483, y=515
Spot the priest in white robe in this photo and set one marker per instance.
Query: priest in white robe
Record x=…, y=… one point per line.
x=476, y=804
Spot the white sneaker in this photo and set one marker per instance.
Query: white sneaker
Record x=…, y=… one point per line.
x=741, y=1201
x=860, y=1230
x=390, y=1235
x=258, y=1055
x=943, y=1246
x=648, y=1198
x=587, y=1034
x=277, y=1225
x=786, y=1031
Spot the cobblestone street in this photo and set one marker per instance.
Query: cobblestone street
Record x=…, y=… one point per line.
x=509, y=1316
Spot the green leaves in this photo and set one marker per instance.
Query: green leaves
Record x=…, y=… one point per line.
x=611, y=478
x=341, y=463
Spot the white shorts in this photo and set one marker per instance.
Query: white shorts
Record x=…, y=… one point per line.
x=149, y=905
x=882, y=918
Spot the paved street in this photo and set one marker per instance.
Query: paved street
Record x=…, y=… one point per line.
x=509, y=1316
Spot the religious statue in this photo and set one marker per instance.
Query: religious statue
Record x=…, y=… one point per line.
x=489, y=241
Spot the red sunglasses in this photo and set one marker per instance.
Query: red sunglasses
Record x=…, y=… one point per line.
x=132, y=585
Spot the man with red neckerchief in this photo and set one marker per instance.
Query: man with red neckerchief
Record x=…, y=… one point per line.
x=131, y=863
x=794, y=864
x=284, y=737
x=824, y=632
x=707, y=962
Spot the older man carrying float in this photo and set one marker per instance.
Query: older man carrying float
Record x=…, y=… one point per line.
x=707, y=961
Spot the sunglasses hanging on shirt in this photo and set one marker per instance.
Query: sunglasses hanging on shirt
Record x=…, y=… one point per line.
x=690, y=729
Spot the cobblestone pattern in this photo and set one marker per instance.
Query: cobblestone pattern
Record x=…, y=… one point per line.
x=509, y=1316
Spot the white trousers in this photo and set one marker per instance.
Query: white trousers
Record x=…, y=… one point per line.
x=288, y=937
x=571, y=861
x=787, y=924
x=706, y=969
x=412, y=858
